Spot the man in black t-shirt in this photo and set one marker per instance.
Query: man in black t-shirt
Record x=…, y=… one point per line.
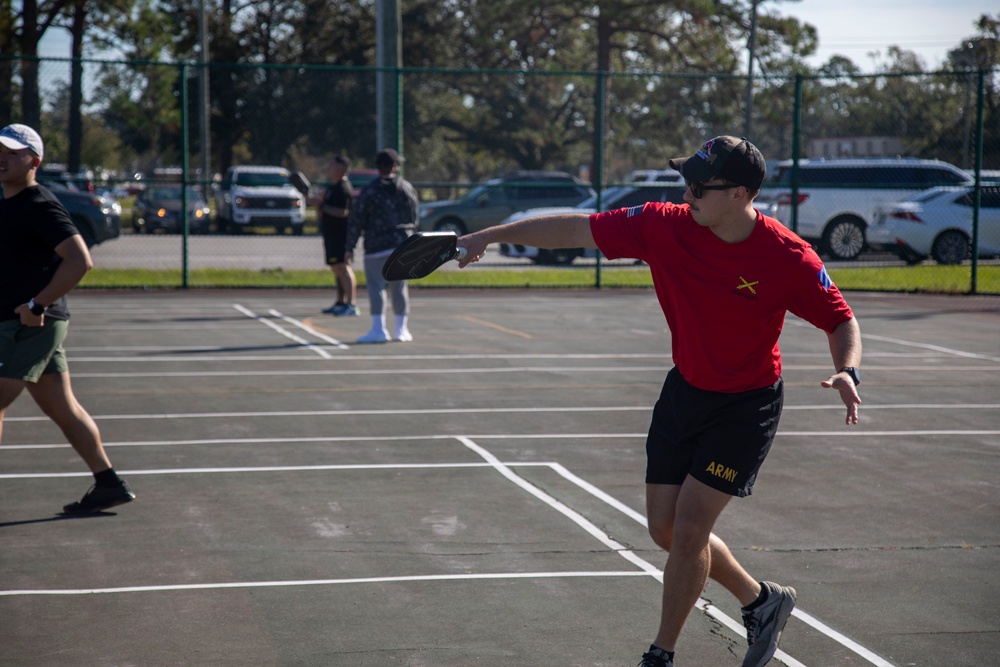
x=42, y=258
x=334, y=210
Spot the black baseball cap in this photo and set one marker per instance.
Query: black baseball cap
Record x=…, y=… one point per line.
x=387, y=157
x=728, y=158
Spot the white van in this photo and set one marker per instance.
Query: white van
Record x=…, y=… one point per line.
x=838, y=199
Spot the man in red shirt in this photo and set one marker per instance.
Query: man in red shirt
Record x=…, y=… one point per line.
x=725, y=275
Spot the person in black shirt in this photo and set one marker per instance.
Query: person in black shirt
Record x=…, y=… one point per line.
x=334, y=209
x=42, y=258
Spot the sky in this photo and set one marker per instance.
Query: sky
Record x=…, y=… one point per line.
x=852, y=28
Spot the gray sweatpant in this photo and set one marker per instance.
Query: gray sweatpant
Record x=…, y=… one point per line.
x=377, y=285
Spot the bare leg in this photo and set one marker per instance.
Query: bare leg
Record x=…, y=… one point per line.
x=10, y=389
x=681, y=520
x=54, y=396
x=346, y=283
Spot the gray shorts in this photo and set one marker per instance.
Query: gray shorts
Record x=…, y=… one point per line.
x=28, y=353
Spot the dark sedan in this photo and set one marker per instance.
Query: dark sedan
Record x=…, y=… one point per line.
x=159, y=210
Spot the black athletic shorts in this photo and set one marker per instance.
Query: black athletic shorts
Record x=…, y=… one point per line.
x=719, y=439
x=334, y=241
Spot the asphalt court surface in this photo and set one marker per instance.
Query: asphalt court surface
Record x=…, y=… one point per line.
x=475, y=497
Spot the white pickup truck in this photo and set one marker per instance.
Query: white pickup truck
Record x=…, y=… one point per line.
x=259, y=196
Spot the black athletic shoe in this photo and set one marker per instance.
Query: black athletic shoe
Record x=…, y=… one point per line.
x=656, y=658
x=100, y=498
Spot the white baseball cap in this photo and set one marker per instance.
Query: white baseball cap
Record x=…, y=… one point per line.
x=17, y=137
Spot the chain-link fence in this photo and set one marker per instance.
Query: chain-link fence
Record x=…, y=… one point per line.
x=893, y=177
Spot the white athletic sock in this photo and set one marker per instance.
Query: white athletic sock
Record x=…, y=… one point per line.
x=378, y=322
x=401, y=322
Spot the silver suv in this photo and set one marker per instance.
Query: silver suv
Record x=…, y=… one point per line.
x=838, y=199
x=487, y=204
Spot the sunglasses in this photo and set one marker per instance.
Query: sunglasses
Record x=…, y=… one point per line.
x=698, y=189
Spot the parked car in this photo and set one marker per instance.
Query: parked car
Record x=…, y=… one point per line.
x=655, y=175
x=359, y=178
x=488, y=204
x=80, y=182
x=613, y=198
x=938, y=223
x=159, y=209
x=98, y=219
x=839, y=199
x=250, y=196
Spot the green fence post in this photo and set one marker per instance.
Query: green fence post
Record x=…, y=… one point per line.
x=796, y=147
x=599, y=126
x=184, y=177
x=978, y=188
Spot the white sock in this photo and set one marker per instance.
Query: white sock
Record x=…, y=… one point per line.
x=378, y=322
x=401, y=322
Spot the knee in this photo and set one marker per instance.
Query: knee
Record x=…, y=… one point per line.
x=662, y=535
x=689, y=535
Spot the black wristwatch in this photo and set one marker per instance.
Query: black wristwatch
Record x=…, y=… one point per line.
x=853, y=372
x=35, y=307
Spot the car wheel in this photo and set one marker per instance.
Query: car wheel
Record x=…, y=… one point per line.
x=298, y=230
x=221, y=225
x=844, y=238
x=450, y=225
x=557, y=257
x=951, y=247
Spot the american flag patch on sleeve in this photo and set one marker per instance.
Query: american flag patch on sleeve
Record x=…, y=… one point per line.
x=634, y=210
x=824, y=279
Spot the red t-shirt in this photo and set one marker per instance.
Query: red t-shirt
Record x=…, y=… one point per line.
x=725, y=303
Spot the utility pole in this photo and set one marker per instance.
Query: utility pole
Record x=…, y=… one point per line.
x=204, y=105
x=389, y=89
x=752, y=52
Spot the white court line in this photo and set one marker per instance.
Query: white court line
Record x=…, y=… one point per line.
x=646, y=568
x=305, y=327
x=935, y=348
x=482, y=411
x=480, y=436
x=373, y=357
x=474, y=371
x=606, y=539
x=384, y=371
x=284, y=332
x=708, y=607
x=322, y=582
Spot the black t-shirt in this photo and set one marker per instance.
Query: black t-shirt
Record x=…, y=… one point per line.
x=32, y=224
x=337, y=195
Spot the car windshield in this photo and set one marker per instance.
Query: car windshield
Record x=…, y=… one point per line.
x=171, y=192
x=262, y=180
x=480, y=190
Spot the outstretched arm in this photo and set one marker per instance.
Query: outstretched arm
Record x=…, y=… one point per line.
x=571, y=230
x=845, y=348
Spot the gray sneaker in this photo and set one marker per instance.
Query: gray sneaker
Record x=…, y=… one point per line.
x=765, y=623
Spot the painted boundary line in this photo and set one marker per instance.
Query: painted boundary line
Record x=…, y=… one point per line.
x=505, y=469
x=567, y=409
x=483, y=436
x=284, y=332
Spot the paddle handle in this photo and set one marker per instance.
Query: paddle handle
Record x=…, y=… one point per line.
x=461, y=253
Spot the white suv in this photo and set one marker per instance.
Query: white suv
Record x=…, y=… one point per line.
x=253, y=196
x=839, y=199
